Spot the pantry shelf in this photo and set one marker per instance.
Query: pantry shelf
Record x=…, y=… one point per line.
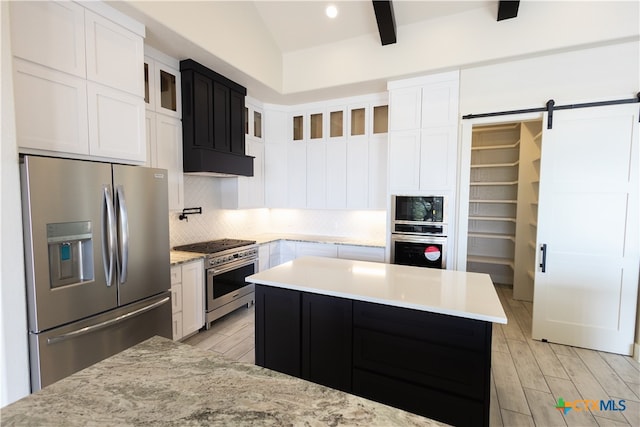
x=490, y=260
x=496, y=165
x=491, y=183
x=495, y=147
x=493, y=201
x=491, y=218
x=510, y=237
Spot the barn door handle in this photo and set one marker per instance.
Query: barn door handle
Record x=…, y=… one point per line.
x=543, y=257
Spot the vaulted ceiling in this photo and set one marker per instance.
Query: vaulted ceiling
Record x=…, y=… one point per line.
x=296, y=25
x=289, y=51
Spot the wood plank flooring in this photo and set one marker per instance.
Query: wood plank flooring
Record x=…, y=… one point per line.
x=527, y=376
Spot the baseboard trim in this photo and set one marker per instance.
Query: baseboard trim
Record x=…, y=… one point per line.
x=636, y=352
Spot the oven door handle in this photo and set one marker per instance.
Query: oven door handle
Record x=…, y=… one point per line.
x=438, y=240
x=232, y=266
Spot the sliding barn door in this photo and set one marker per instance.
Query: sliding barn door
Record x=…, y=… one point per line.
x=586, y=282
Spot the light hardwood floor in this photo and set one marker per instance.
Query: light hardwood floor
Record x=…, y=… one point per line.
x=528, y=376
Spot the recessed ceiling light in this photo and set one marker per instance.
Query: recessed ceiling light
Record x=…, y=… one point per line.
x=331, y=11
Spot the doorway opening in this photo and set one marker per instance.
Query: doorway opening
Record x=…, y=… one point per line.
x=503, y=180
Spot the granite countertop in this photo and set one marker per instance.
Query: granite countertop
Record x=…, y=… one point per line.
x=454, y=293
x=180, y=257
x=336, y=240
x=162, y=383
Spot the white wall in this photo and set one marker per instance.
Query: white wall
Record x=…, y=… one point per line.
x=446, y=43
x=230, y=33
x=459, y=40
x=586, y=75
x=14, y=355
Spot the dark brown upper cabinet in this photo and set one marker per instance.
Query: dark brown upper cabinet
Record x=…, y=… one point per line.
x=213, y=123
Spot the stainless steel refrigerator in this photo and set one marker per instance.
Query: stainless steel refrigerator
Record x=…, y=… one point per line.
x=96, y=241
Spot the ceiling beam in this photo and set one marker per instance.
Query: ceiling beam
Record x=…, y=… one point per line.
x=386, y=21
x=508, y=9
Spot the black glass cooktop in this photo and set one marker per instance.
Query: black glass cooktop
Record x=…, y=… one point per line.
x=214, y=246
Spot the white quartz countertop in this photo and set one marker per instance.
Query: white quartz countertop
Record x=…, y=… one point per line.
x=455, y=293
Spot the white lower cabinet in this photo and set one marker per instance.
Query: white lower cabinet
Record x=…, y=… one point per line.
x=176, y=302
x=176, y=311
x=187, y=293
x=275, y=253
x=316, y=249
x=264, y=256
x=361, y=253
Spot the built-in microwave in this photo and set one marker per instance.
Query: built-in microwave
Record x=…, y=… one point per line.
x=423, y=215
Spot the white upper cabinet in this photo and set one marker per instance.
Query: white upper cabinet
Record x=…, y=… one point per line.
x=166, y=153
x=332, y=154
x=164, y=127
x=336, y=167
x=78, y=81
x=438, y=151
x=115, y=55
x=405, y=108
x=49, y=33
x=162, y=84
x=247, y=192
x=358, y=174
x=423, y=134
x=116, y=124
x=296, y=175
x=38, y=124
x=440, y=104
x=164, y=150
x=275, y=156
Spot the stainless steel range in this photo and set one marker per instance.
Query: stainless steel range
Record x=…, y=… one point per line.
x=227, y=264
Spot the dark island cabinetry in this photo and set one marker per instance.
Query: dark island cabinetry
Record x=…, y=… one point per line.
x=304, y=335
x=427, y=363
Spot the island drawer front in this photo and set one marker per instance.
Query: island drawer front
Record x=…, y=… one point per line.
x=435, y=404
x=435, y=328
x=422, y=363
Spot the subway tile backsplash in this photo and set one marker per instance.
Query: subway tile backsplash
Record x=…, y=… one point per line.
x=216, y=223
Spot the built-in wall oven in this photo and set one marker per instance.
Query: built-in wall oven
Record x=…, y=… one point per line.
x=419, y=231
x=228, y=263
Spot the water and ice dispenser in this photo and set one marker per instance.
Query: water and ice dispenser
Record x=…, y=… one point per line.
x=70, y=253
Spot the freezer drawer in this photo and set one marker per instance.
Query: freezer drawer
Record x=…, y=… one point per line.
x=63, y=351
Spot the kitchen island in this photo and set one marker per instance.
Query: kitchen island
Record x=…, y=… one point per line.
x=415, y=338
x=162, y=383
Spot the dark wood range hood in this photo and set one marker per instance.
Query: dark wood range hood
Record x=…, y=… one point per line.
x=213, y=134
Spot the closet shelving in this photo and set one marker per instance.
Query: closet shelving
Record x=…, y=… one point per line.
x=529, y=176
x=503, y=203
x=493, y=198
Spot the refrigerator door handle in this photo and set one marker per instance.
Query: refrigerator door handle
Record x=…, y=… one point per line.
x=123, y=234
x=108, y=236
x=106, y=323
